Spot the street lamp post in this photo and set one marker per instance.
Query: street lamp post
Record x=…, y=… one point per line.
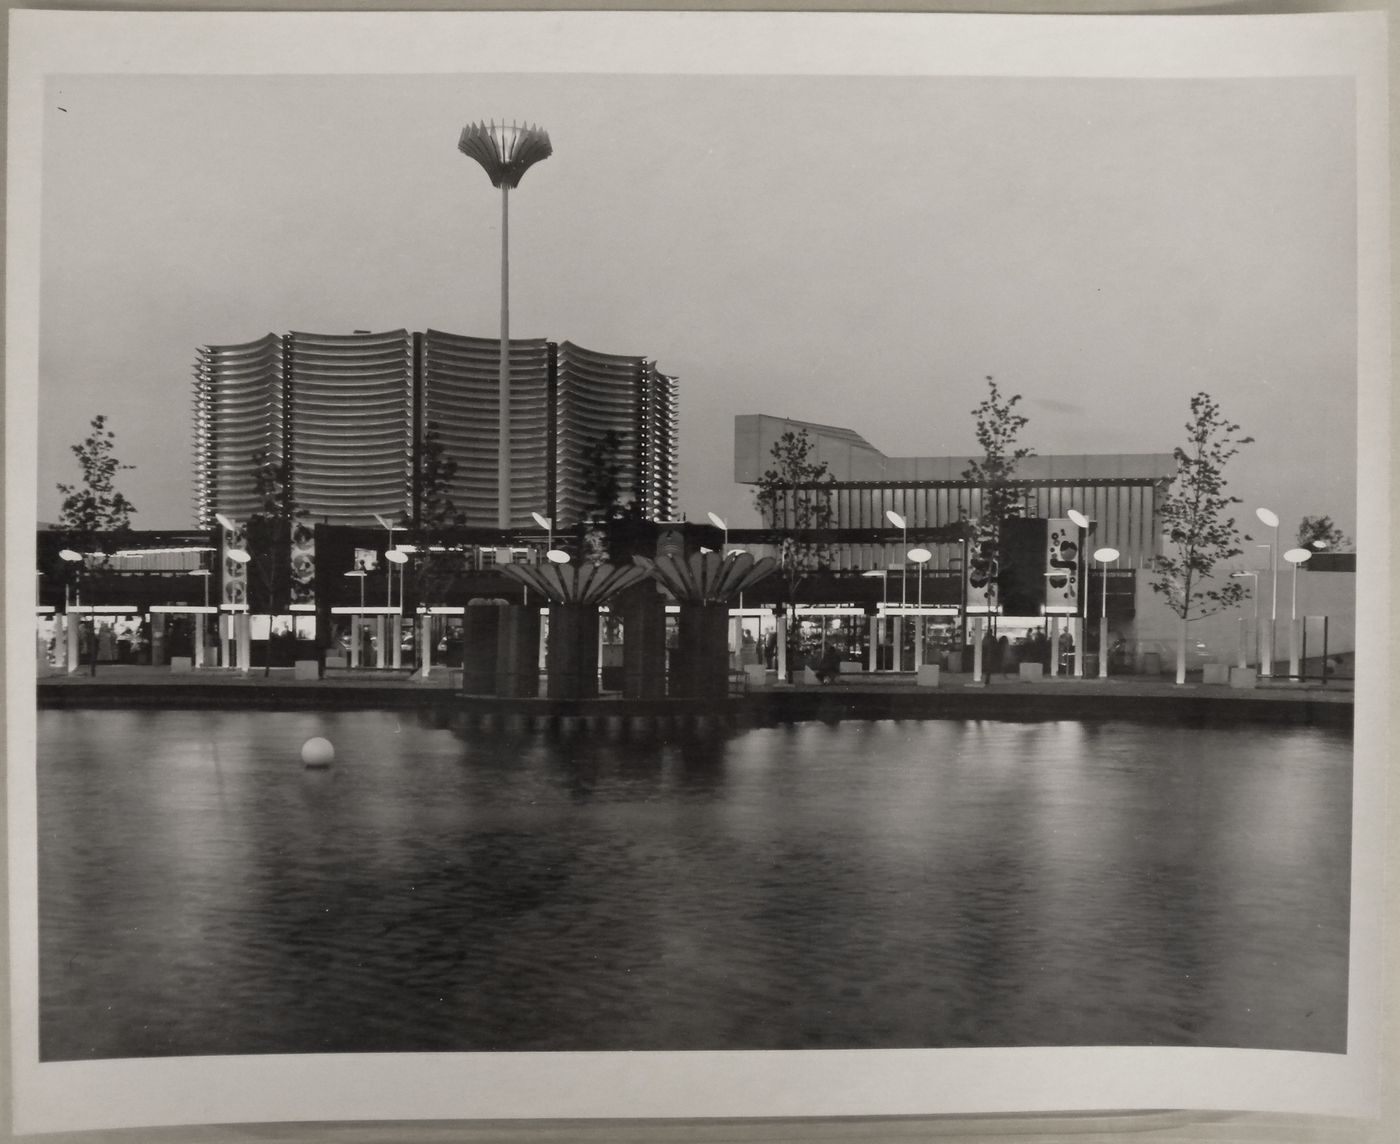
x=1254, y=591
x=1270, y=520
x=737, y=634
x=505, y=153
x=357, y=621
x=897, y=661
x=1081, y=603
x=1294, y=556
x=389, y=573
x=718, y=522
x=1104, y=556
x=388, y=624
x=200, y=623
x=919, y=556
x=72, y=637
x=242, y=621
x=884, y=574
x=546, y=523
x=395, y=556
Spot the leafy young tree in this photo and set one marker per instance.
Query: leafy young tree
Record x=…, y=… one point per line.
x=269, y=528
x=794, y=496
x=602, y=481
x=998, y=432
x=95, y=516
x=272, y=481
x=1315, y=529
x=436, y=472
x=434, y=572
x=602, y=473
x=1196, y=525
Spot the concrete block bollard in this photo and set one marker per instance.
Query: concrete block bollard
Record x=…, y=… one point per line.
x=1244, y=677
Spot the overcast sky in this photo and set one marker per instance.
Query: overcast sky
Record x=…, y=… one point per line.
x=854, y=251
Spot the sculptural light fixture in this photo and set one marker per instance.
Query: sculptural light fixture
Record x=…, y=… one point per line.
x=506, y=153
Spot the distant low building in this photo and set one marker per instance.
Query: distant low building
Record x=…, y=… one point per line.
x=1119, y=492
x=1121, y=496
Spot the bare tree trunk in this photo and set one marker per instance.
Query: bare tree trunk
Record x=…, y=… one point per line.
x=1181, y=652
x=782, y=648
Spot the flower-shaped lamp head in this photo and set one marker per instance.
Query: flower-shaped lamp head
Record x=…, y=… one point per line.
x=505, y=151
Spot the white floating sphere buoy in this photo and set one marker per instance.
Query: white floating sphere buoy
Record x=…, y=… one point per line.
x=317, y=752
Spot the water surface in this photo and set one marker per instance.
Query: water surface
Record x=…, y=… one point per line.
x=869, y=884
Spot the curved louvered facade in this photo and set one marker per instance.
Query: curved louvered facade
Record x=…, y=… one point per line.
x=348, y=414
x=351, y=424
x=602, y=392
x=660, y=434
x=461, y=398
x=240, y=410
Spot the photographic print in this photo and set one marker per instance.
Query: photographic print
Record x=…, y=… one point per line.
x=627, y=553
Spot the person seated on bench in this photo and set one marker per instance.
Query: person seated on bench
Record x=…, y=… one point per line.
x=829, y=665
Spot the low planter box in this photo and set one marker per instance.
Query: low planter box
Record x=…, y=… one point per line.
x=758, y=675
x=1246, y=677
x=181, y=664
x=928, y=675
x=308, y=669
x=849, y=666
x=1215, y=673
x=1030, y=670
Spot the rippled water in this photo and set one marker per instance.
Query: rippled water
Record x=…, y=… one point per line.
x=886, y=884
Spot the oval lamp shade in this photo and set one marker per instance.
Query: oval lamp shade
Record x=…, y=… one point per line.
x=894, y=518
x=394, y=556
x=1297, y=555
x=718, y=521
x=920, y=555
x=1078, y=518
x=1107, y=555
x=557, y=556
x=543, y=521
x=1268, y=516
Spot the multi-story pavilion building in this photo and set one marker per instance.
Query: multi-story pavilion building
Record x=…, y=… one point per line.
x=348, y=416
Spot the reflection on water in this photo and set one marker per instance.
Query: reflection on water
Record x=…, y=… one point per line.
x=887, y=884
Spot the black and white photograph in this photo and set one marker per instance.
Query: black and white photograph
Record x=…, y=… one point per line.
x=678, y=544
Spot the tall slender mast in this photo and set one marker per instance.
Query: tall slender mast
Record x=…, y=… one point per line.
x=506, y=153
x=503, y=445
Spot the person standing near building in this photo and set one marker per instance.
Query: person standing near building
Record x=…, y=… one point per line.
x=1040, y=648
x=1006, y=654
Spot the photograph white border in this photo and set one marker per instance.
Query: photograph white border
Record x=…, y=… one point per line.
x=130, y=1093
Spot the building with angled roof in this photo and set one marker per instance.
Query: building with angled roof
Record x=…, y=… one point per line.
x=1119, y=492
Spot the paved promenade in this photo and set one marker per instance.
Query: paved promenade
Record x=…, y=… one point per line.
x=447, y=679
x=851, y=697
